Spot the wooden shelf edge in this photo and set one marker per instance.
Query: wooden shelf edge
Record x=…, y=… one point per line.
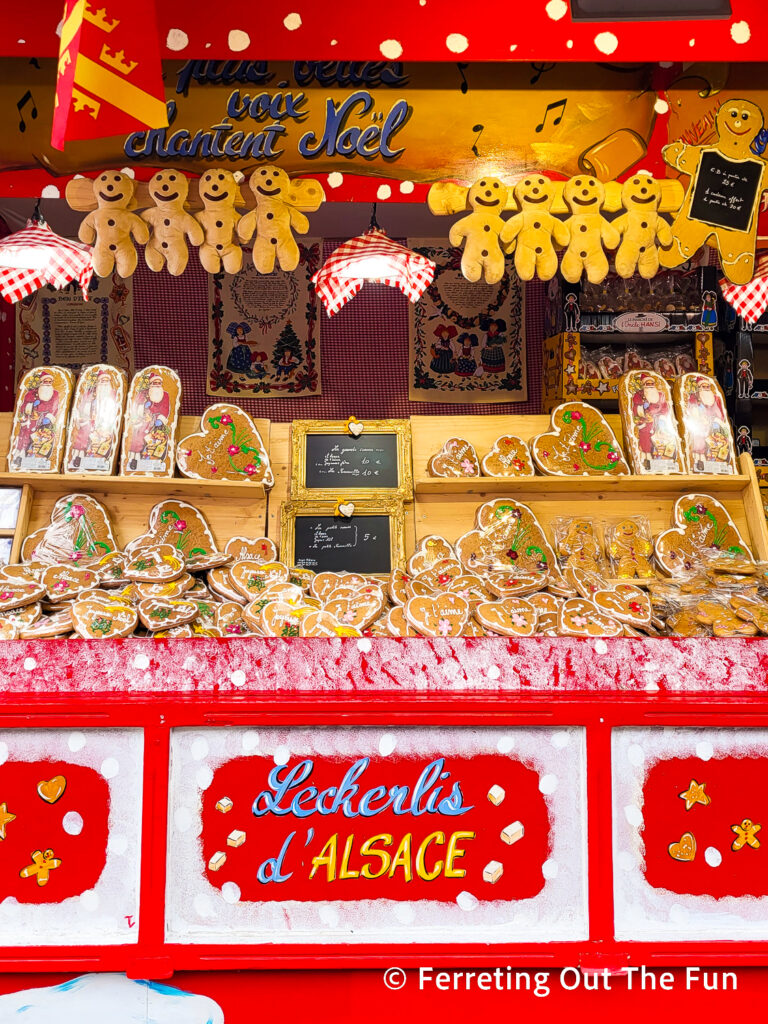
x=699, y=483
x=171, y=487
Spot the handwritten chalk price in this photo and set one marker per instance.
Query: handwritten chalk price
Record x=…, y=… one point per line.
x=355, y=427
x=344, y=509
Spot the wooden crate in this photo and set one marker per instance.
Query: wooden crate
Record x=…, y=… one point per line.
x=231, y=508
x=447, y=506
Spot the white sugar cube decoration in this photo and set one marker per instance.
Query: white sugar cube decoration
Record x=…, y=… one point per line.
x=217, y=860
x=236, y=837
x=492, y=871
x=512, y=833
x=224, y=805
x=496, y=794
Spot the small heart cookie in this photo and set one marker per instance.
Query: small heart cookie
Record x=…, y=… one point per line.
x=471, y=588
x=400, y=587
x=63, y=582
x=57, y=624
x=324, y=583
x=301, y=577
x=29, y=572
x=281, y=619
x=96, y=619
x=228, y=617
x=227, y=447
x=429, y=550
x=579, y=617
x=251, y=578
x=443, y=615
x=684, y=849
x=516, y=584
x=359, y=610
x=155, y=564
x=580, y=443
x=397, y=624
x=508, y=457
x=625, y=602
x=440, y=574
x=258, y=549
x=24, y=616
x=700, y=524
x=110, y=569
x=173, y=588
x=457, y=457
x=18, y=594
x=52, y=790
x=161, y=613
x=512, y=616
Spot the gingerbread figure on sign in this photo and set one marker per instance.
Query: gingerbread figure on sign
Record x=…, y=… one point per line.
x=171, y=224
x=219, y=194
x=111, y=228
x=279, y=202
x=723, y=199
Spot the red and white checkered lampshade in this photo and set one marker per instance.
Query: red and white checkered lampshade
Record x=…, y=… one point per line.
x=37, y=256
x=750, y=300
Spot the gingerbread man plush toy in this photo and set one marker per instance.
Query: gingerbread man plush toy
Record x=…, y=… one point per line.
x=589, y=230
x=277, y=215
x=111, y=227
x=533, y=229
x=640, y=227
x=219, y=195
x=738, y=123
x=171, y=224
x=480, y=230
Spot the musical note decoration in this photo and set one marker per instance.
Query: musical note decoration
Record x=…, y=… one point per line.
x=25, y=100
x=557, y=105
x=464, y=83
x=478, y=129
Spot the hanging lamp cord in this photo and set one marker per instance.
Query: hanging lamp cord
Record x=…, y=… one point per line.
x=374, y=223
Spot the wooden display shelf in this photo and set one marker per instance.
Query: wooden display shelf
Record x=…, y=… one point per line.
x=150, y=486
x=595, y=486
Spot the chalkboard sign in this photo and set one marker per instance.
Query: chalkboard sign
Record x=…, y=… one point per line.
x=339, y=461
x=327, y=461
x=726, y=192
x=371, y=541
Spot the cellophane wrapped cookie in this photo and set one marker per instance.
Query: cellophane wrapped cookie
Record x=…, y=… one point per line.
x=651, y=438
x=38, y=432
x=578, y=542
x=629, y=546
x=93, y=437
x=704, y=425
x=151, y=418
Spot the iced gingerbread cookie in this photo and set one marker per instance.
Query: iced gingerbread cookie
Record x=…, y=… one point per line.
x=151, y=418
x=155, y=563
x=250, y=579
x=443, y=615
x=258, y=549
x=227, y=447
x=324, y=583
x=228, y=617
x=9, y=630
x=56, y=624
x=396, y=623
x=359, y=610
x=625, y=602
x=322, y=623
x=79, y=531
x=281, y=619
x=704, y=424
x=630, y=549
x=93, y=436
x=580, y=444
x=508, y=538
x=26, y=615
x=578, y=546
x=17, y=594
x=429, y=550
x=40, y=420
x=440, y=574
x=723, y=620
x=651, y=436
x=96, y=619
x=508, y=457
x=515, y=584
x=701, y=524
x=457, y=457
x=63, y=582
x=300, y=576
x=512, y=616
x=180, y=525
x=472, y=588
x=221, y=583
x=401, y=586
x=579, y=616
x=165, y=613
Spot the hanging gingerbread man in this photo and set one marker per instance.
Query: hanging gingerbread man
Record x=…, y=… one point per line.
x=111, y=228
x=480, y=231
x=171, y=224
x=641, y=227
x=219, y=195
x=534, y=229
x=739, y=176
x=589, y=231
x=279, y=200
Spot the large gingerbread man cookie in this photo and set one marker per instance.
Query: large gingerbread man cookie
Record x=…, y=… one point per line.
x=111, y=228
x=279, y=202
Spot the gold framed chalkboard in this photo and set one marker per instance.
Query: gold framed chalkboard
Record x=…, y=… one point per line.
x=371, y=541
x=328, y=462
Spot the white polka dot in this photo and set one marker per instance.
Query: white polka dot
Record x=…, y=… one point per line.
x=204, y=776
x=569, y=44
x=282, y=755
x=21, y=42
x=182, y=819
x=601, y=647
x=176, y=39
x=635, y=754
x=250, y=740
x=387, y=744
x=561, y=739
x=422, y=3
x=117, y=844
x=292, y=21
x=76, y=741
x=633, y=815
x=334, y=42
x=740, y=32
x=141, y=661
x=713, y=857
x=89, y=900
x=199, y=747
x=548, y=784
x=556, y=9
x=203, y=906
x=513, y=47
x=704, y=750
x=230, y=892
x=606, y=42
x=3, y=753
x=625, y=860
x=550, y=868
x=50, y=192
x=30, y=664
x=128, y=172
x=383, y=192
x=72, y=823
x=335, y=178
x=505, y=743
x=661, y=106
x=328, y=915
x=456, y=42
x=466, y=900
x=494, y=672
x=364, y=645
x=391, y=49
x=110, y=766
x=691, y=42
x=238, y=40
x=238, y=677
x=404, y=913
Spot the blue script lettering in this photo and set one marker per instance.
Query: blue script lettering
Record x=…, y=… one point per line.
x=369, y=142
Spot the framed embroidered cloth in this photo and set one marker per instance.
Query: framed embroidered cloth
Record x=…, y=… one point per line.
x=467, y=340
x=264, y=332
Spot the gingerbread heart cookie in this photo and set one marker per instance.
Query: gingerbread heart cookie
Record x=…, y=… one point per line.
x=651, y=435
x=358, y=610
x=165, y=613
x=429, y=550
x=29, y=572
x=440, y=574
x=258, y=549
x=221, y=583
x=228, y=617
x=63, y=582
x=202, y=561
x=323, y=623
x=701, y=524
x=181, y=525
x=26, y=615
x=227, y=447
x=685, y=849
x=110, y=569
x=579, y=617
x=29, y=547
x=515, y=584
x=9, y=630
x=251, y=578
x=17, y=594
x=443, y=615
x=324, y=583
x=57, y=624
x=400, y=587
x=512, y=616
x=96, y=619
x=301, y=577
x=580, y=443
x=472, y=588
x=508, y=538
x=281, y=619
x=508, y=457
x=79, y=531
x=155, y=563
x=172, y=588
x=457, y=457
x=151, y=418
x=625, y=602
x=396, y=623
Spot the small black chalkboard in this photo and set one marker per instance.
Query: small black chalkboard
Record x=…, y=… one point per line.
x=343, y=462
x=330, y=544
x=726, y=191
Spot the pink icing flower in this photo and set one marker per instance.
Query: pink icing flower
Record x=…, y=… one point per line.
x=250, y=469
x=518, y=464
x=233, y=449
x=468, y=466
x=585, y=446
x=6, y=595
x=545, y=455
x=444, y=627
x=226, y=420
x=576, y=416
x=61, y=585
x=613, y=456
x=78, y=511
x=518, y=620
x=580, y=621
x=180, y=525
